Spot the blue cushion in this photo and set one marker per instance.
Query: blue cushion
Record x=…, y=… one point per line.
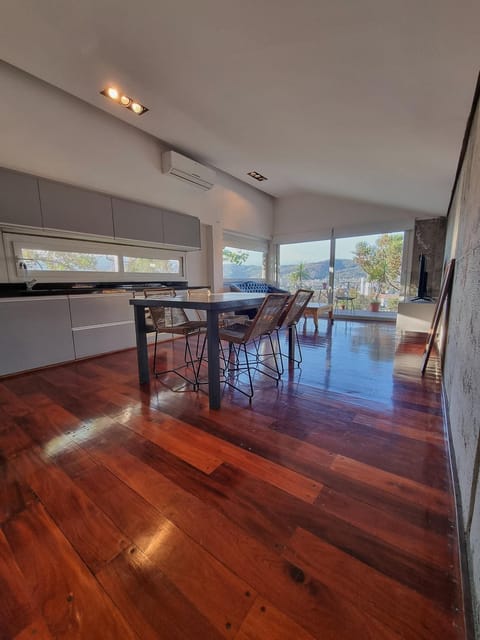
x=251, y=286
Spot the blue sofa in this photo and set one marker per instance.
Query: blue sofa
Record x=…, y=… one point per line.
x=254, y=286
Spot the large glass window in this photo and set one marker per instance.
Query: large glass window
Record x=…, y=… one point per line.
x=305, y=265
x=367, y=271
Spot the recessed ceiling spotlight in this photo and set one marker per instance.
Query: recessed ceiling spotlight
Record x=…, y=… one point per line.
x=257, y=176
x=124, y=100
x=137, y=108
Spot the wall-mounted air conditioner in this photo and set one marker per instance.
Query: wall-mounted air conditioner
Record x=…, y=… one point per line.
x=187, y=170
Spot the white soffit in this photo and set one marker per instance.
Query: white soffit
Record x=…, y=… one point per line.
x=366, y=99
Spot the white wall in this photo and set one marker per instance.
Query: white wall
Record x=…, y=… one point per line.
x=309, y=216
x=49, y=133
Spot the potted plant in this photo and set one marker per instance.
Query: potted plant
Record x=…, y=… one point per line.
x=381, y=262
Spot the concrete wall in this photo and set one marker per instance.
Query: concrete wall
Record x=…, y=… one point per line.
x=462, y=351
x=49, y=133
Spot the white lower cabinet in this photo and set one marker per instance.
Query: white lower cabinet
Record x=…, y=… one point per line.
x=34, y=332
x=102, y=323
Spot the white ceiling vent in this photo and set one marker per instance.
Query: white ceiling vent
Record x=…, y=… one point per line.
x=187, y=170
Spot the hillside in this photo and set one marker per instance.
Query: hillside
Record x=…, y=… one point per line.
x=345, y=271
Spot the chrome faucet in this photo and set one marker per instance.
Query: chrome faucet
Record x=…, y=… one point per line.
x=29, y=284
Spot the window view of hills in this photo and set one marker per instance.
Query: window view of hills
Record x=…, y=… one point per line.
x=316, y=273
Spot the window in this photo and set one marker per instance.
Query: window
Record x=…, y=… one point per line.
x=48, y=260
x=57, y=259
x=305, y=265
x=243, y=265
x=244, y=257
x=369, y=269
x=150, y=265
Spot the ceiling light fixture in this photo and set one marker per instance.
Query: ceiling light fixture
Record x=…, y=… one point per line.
x=124, y=100
x=257, y=176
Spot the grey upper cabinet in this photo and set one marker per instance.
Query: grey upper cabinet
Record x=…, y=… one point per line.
x=19, y=199
x=74, y=209
x=181, y=230
x=135, y=221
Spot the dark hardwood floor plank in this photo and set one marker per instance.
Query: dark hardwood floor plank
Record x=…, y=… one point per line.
x=162, y=612
x=271, y=472
x=15, y=493
x=405, y=489
x=16, y=611
x=94, y=536
x=426, y=546
x=322, y=510
x=38, y=630
x=60, y=586
x=220, y=595
x=264, y=621
x=383, y=598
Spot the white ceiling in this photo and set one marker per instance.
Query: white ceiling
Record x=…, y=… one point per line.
x=366, y=99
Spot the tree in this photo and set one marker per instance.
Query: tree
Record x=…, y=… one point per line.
x=59, y=260
x=381, y=261
x=299, y=274
x=235, y=256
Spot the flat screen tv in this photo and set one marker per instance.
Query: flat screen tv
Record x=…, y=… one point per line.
x=422, y=280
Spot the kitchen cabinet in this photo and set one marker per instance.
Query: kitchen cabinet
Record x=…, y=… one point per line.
x=101, y=323
x=180, y=229
x=35, y=333
x=136, y=221
x=133, y=220
x=19, y=199
x=73, y=209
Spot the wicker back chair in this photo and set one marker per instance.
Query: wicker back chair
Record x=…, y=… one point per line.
x=175, y=321
x=290, y=318
x=263, y=325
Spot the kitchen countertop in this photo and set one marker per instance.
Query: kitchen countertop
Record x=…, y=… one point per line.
x=19, y=290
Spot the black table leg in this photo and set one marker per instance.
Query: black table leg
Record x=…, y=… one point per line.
x=291, y=344
x=142, y=351
x=213, y=359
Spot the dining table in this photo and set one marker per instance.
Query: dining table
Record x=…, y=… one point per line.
x=213, y=304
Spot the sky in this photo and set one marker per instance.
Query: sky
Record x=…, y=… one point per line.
x=317, y=251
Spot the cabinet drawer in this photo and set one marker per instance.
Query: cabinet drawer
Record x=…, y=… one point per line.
x=95, y=340
x=91, y=310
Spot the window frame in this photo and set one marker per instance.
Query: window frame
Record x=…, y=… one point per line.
x=13, y=242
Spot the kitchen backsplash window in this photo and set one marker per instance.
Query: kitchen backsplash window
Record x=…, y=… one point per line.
x=61, y=259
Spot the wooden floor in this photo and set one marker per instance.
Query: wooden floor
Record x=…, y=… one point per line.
x=322, y=511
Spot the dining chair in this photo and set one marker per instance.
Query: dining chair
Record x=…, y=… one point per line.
x=239, y=336
x=174, y=321
x=224, y=319
x=289, y=319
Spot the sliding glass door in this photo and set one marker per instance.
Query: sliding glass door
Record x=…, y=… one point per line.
x=305, y=265
x=357, y=273
x=367, y=272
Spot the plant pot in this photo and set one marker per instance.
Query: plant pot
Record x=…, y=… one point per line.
x=375, y=306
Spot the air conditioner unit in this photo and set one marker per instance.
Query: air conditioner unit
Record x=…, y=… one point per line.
x=187, y=170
